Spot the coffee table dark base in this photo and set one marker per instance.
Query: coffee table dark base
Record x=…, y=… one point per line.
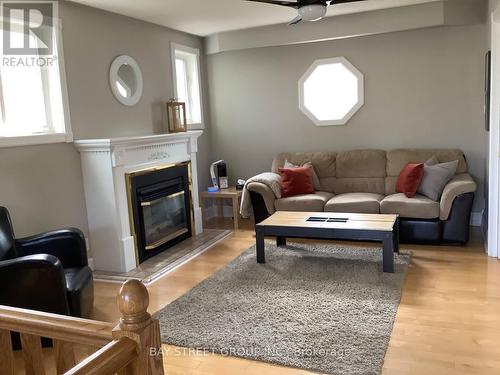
x=389, y=240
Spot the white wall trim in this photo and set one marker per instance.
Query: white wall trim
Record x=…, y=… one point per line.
x=494, y=141
x=39, y=139
x=46, y=138
x=64, y=84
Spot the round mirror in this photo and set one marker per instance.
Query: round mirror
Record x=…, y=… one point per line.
x=125, y=78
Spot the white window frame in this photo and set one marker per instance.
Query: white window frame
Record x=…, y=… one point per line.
x=67, y=135
x=354, y=109
x=194, y=51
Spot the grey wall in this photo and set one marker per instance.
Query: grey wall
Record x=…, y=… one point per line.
x=42, y=185
x=92, y=39
x=423, y=88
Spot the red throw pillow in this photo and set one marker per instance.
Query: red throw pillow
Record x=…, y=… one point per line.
x=410, y=178
x=295, y=181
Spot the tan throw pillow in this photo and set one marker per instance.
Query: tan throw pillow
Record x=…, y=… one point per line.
x=315, y=178
x=435, y=179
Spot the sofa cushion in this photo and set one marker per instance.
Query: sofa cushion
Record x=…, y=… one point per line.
x=328, y=184
x=361, y=163
x=306, y=202
x=418, y=207
x=323, y=162
x=375, y=185
x=360, y=171
x=363, y=203
x=390, y=185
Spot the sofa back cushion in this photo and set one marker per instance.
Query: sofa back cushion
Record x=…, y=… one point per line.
x=360, y=171
x=397, y=159
x=366, y=171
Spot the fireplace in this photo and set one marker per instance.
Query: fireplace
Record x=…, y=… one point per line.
x=109, y=166
x=160, y=208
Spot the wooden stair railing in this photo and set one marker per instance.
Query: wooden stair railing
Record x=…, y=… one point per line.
x=132, y=347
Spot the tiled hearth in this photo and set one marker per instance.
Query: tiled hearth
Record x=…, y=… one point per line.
x=154, y=268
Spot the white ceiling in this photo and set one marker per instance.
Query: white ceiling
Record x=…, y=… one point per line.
x=205, y=17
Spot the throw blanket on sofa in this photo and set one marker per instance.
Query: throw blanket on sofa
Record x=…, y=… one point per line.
x=272, y=180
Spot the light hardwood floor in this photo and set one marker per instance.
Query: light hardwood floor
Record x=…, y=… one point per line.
x=448, y=321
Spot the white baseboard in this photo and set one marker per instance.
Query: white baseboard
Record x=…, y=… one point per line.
x=476, y=219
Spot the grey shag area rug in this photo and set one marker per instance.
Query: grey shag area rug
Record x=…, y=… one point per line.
x=322, y=308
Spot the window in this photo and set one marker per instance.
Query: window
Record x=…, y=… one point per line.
x=31, y=94
x=187, y=87
x=331, y=91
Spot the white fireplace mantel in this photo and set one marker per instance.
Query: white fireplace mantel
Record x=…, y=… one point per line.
x=105, y=164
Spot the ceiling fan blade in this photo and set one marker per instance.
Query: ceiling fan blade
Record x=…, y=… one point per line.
x=333, y=2
x=296, y=20
x=291, y=4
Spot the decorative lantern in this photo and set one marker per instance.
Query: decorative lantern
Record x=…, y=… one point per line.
x=176, y=112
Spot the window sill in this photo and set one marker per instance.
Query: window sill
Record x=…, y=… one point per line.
x=41, y=139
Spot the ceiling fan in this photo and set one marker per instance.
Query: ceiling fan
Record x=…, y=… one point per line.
x=308, y=10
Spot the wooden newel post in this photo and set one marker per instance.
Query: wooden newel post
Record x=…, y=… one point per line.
x=136, y=324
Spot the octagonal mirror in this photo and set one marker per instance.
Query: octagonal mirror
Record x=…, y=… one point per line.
x=331, y=91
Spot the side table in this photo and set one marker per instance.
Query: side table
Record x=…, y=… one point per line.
x=229, y=193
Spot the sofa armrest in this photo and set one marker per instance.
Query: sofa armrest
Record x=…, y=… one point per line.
x=266, y=193
x=460, y=184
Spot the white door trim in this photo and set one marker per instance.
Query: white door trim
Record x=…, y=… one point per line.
x=494, y=141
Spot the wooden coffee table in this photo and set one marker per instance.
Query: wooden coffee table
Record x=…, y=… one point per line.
x=326, y=225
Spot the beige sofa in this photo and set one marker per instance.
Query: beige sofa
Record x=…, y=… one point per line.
x=364, y=181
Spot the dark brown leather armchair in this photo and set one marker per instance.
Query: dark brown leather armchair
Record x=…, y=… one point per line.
x=46, y=272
